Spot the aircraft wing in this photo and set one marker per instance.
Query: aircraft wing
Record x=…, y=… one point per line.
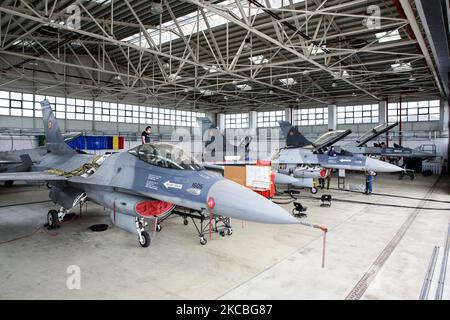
x=31, y=176
x=9, y=162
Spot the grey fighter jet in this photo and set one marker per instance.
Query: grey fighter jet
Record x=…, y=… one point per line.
x=301, y=154
x=239, y=155
x=360, y=145
x=22, y=160
x=151, y=181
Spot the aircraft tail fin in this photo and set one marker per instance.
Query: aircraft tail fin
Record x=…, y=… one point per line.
x=293, y=137
x=205, y=124
x=55, y=140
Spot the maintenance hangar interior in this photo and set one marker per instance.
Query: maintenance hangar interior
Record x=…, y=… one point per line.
x=219, y=149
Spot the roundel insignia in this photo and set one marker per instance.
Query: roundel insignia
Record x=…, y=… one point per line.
x=49, y=125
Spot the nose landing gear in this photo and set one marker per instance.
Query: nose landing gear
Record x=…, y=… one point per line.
x=143, y=236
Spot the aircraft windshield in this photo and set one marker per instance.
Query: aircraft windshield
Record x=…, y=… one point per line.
x=166, y=155
x=328, y=136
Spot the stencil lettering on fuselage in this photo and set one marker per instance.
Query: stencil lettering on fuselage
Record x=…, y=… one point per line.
x=152, y=182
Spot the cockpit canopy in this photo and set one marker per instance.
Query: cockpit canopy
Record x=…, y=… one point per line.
x=374, y=132
x=166, y=155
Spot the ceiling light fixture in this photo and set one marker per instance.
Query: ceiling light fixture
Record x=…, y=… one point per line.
x=247, y=45
x=156, y=7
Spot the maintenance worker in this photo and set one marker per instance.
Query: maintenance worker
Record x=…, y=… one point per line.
x=369, y=181
x=145, y=135
x=328, y=180
x=332, y=152
x=321, y=183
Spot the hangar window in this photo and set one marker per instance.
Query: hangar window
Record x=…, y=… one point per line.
x=258, y=59
x=29, y=105
x=288, y=82
x=311, y=116
x=4, y=103
x=60, y=107
x=366, y=113
x=190, y=23
x=149, y=115
x=412, y=111
x=270, y=118
x=236, y=121
x=388, y=36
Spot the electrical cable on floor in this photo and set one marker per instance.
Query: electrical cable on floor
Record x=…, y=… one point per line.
x=43, y=228
x=284, y=196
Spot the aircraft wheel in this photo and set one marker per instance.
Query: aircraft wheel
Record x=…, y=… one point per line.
x=185, y=222
x=313, y=190
x=52, y=219
x=203, y=241
x=230, y=231
x=222, y=233
x=144, y=239
x=158, y=228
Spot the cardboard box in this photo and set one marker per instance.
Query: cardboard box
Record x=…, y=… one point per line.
x=236, y=174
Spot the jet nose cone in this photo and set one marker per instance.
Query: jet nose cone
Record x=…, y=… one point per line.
x=235, y=201
x=381, y=166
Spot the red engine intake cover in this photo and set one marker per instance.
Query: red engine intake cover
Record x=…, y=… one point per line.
x=153, y=208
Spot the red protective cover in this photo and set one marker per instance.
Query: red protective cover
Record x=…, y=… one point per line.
x=153, y=208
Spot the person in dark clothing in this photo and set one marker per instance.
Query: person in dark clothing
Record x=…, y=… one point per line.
x=321, y=183
x=328, y=178
x=369, y=181
x=145, y=135
x=332, y=152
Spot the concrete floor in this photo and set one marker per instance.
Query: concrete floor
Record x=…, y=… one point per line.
x=256, y=262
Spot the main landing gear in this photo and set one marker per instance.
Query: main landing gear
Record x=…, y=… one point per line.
x=55, y=217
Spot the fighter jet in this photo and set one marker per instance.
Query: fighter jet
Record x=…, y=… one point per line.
x=151, y=181
x=301, y=154
x=239, y=155
x=22, y=160
x=360, y=145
